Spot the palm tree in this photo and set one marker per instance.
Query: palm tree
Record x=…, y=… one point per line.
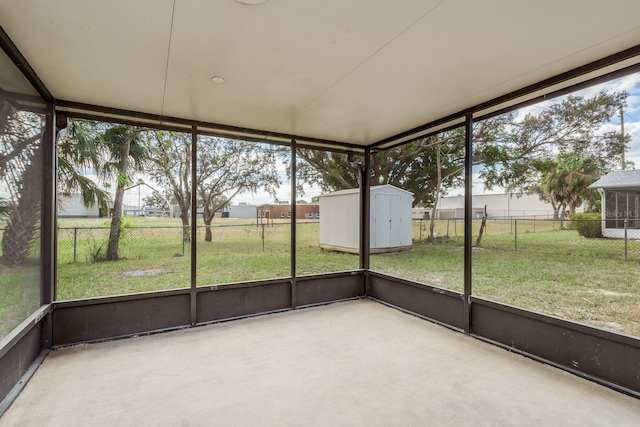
x=566, y=181
x=21, y=141
x=119, y=151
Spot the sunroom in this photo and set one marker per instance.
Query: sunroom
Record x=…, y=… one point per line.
x=620, y=198
x=276, y=331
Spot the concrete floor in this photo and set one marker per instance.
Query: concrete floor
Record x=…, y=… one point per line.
x=354, y=363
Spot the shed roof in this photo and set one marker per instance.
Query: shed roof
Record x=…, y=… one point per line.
x=619, y=179
x=355, y=72
x=373, y=188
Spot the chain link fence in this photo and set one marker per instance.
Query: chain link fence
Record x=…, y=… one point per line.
x=89, y=244
x=537, y=235
x=526, y=235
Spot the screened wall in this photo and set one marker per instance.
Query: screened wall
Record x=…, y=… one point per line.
x=22, y=130
x=166, y=223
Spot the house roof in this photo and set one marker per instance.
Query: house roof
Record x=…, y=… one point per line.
x=354, y=73
x=619, y=179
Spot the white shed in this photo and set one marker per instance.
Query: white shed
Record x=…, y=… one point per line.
x=390, y=220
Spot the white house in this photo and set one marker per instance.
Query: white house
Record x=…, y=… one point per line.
x=73, y=207
x=620, y=193
x=390, y=220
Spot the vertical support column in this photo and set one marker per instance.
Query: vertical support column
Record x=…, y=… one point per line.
x=294, y=171
x=48, y=218
x=194, y=219
x=365, y=216
x=48, y=194
x=468, y=219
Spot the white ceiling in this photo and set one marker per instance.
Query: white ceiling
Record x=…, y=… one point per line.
x=355, y=71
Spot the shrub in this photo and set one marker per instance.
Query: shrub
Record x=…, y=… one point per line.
x=587, y=224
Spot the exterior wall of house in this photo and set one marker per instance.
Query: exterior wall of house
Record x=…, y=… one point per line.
x=618, y=233
x=303, y=211
x=73, y=207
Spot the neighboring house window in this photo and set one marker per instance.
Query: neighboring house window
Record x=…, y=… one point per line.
x=621, y=204
x=288, y=214
x=282, y=214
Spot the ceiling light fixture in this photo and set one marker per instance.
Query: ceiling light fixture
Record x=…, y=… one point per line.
x=217, y=79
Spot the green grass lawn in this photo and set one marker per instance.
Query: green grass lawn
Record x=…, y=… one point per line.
x=553, y=271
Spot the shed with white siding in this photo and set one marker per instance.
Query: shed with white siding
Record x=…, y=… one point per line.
x=390, y=220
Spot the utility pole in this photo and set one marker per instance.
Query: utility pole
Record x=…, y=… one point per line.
x=624, y=145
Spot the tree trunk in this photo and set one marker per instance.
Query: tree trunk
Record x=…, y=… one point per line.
x=207, y=217
x=556, y=210
x=114, y=232
x=563, y=208
x=186, y=230
x=435, y=203
x=483, y=225
x=21, y=230
x=208, y=234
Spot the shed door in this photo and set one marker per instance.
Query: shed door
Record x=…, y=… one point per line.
x=395, y=221
x=382, y=230
x=386, y=221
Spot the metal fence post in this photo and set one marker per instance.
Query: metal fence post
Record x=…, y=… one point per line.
x=515, y=233
x=182, y=232
x=448, y=220
x=626, y=226
x=534, y=223
x=420, y=239
x=75, y=242
x=263, y=237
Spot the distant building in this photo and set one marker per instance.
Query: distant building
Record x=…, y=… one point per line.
x=241, y=210
x=73, y=207
x=283, y=211
x=498, y=206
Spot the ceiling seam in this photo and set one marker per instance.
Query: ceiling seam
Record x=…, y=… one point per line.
x=362, y=63
x=166, y=68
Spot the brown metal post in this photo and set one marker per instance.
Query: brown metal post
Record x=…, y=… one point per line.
x=365, y=217
x=468, y=224
x=293, y=223
x=48, y=220
x=194, y=219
